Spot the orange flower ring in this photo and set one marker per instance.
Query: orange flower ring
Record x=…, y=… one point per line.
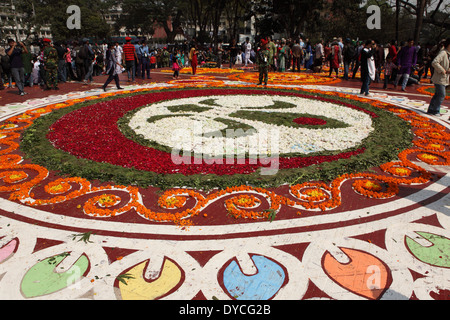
x=181, y=205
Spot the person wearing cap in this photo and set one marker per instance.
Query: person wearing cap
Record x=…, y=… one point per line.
x=130, y=57
x=16, y=64
x=262, y=59
x=440, y=79
x=50, y=66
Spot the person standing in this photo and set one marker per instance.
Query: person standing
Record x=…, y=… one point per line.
x=15, y=57
x=194, y=59
x=406, y=60
x=262, y=59
x=272, y=54
x=359, y=49
x=88, y=61
x=296, y=55
x=138, y=60
x=130, y=57
x=283, y=55
x=348, y=55
x=113, y=67
x=247, y=51
x=50, y=66
x=440, y=79
x=68, y=60
x=145, y=58
x=367, y=66
x=2, y=73
x=62, y=70
x=389, y=66
x=6, y=67
x=233, y=53
x=308, y=55
x=318, y=56
x=336, y=58
x=28, y=68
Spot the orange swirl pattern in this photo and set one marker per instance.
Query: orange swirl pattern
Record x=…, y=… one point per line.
x=432, y=145
x=286, y=78
x=425, y=90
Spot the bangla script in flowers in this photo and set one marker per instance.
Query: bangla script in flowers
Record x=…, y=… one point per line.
x=261, y=146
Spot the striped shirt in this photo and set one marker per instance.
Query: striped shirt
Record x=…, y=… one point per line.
x=129, y=50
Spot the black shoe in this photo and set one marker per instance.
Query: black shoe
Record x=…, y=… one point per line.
x=119, y=88
x=104, y=89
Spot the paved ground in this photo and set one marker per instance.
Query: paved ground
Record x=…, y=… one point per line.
x=395, y=248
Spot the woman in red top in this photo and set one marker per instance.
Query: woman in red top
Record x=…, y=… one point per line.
x=194, y=61
x=336, y=58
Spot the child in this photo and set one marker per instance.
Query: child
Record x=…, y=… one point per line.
x=175, y=67
x=388, y=67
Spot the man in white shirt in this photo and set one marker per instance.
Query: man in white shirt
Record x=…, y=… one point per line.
x=248, y=49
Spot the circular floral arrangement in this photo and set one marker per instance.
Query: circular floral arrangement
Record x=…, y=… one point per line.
x=131, y=142
x=115, y=241
x=283, y=78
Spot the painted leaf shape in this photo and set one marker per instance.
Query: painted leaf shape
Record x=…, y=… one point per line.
x=42, y=279
x=364, y=274
x=437, y=254
x=7, y=250
x=261, y=286
x=137, y=288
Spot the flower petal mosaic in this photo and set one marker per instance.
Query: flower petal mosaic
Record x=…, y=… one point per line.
x=88, y=181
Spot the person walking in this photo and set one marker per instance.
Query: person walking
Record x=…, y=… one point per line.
x=440, y=79
x=15, y=57
x=113, y=67
x=406, y=60
x=367, y=66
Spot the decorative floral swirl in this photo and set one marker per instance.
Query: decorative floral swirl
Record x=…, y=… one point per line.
x=431, y=146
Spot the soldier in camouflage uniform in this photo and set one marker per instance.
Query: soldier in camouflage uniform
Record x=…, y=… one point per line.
x=262, y=60
x=165, y=57
x=50, y=65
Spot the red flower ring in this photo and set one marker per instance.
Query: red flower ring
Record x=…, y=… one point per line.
x=74, y=134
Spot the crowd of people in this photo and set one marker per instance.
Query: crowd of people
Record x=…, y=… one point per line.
x=399, y=64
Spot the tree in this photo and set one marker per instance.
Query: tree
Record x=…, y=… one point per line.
x=426, y=11
x=53, y=13
x=142, y=16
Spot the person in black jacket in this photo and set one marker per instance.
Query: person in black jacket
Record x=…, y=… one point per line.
x=368, y=69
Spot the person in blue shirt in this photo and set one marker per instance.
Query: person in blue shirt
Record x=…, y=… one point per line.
x=144, y=52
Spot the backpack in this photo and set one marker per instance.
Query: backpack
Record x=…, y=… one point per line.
x=82, y=54
x=349, y=53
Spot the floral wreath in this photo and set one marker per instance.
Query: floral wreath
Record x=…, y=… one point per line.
x=21, y=178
